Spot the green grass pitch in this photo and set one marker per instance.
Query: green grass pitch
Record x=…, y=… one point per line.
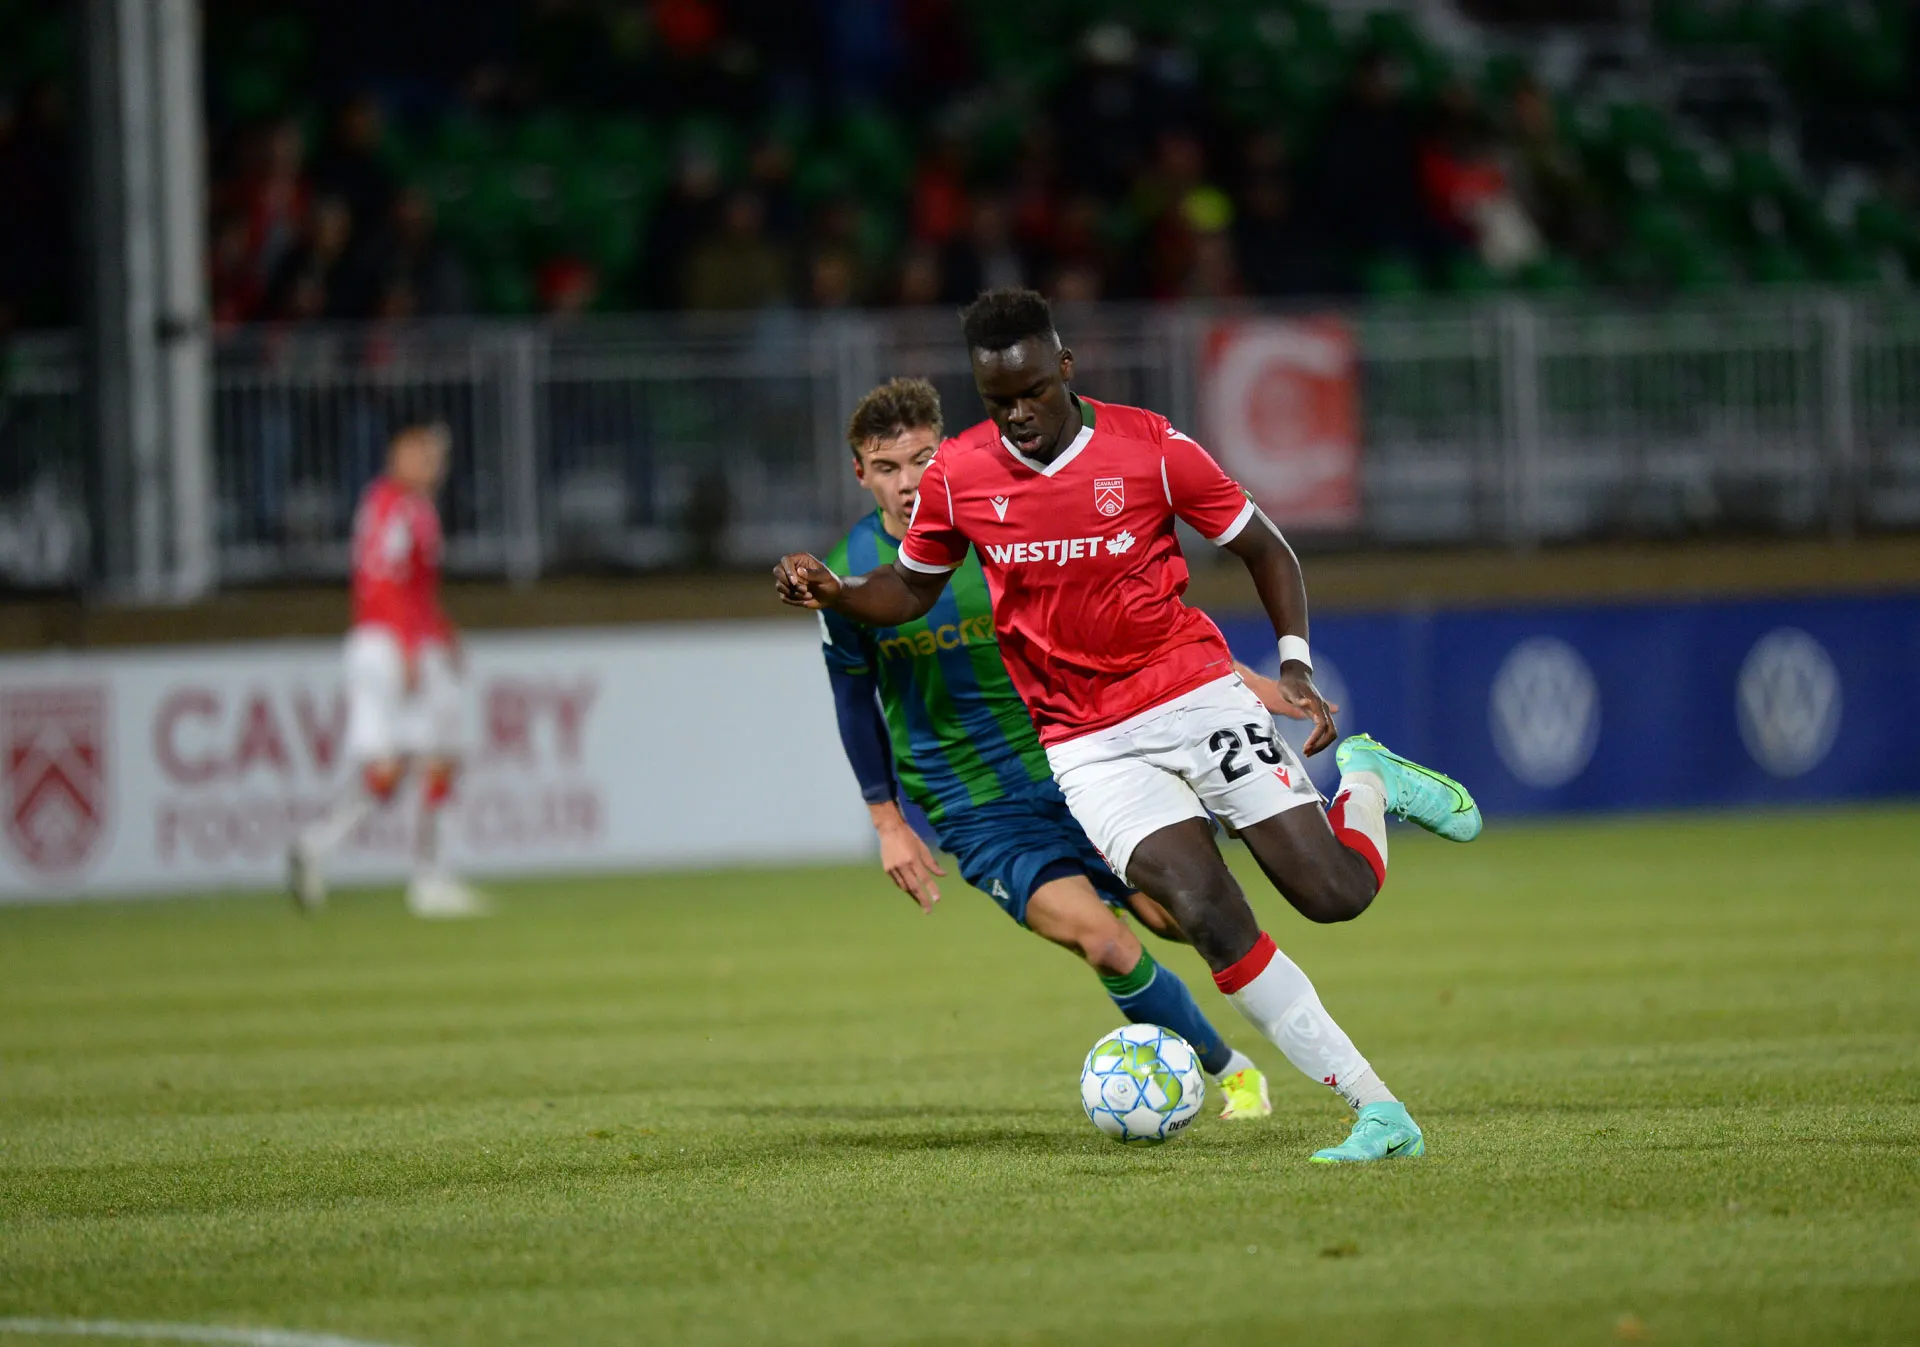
x=1669, y=1071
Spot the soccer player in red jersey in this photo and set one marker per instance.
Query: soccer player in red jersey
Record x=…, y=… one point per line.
x=403, y=678
x=1071, y=504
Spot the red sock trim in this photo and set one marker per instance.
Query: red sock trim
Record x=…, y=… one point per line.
x=381, y=782
x=1355, y=840
x=1250, y=965
x=439, y=787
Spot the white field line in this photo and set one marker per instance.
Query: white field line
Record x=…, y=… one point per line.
x=246, y=1337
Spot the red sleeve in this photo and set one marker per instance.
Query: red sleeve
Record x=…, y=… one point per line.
x=1200, y=492
x=934, y=542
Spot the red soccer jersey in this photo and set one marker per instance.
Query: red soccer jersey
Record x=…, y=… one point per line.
x=1081, y=558
x=396, y=564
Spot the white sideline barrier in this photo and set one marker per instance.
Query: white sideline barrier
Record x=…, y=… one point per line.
x=187, y=768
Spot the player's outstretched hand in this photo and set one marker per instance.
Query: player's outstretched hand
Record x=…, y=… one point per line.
x=1297, y=689
x=911, y=865
x=803, y=580
x=1273, y=697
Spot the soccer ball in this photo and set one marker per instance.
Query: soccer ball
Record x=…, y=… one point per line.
x=1142, y=1085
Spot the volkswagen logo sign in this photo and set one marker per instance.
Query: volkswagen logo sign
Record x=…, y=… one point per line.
x=1544, y=712
x=1789, y=702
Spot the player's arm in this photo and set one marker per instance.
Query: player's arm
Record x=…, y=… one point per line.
x=1283, y=593
x=888, y=595
x=1272, y=695
x=884, y=597
x=863, y=736
x=1213, y=503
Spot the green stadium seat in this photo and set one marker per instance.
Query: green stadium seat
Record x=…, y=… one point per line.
x=1467, y=275
x=1391, y=277
x=1779, y=263
x=546, y=138
x=1553, y=274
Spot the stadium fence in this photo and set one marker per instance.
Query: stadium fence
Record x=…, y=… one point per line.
x=642, y=442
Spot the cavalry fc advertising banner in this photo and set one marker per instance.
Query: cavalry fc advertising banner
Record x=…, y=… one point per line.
x=1279, y=408
x=190, y=769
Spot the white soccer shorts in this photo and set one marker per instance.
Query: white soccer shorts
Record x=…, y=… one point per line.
x=383, y=719
x=1213, y=749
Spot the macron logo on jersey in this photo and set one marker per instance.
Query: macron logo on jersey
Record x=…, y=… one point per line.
x=1059, y=551
x=1000, y=507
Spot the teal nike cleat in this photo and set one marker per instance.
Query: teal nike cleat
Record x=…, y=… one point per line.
x=1437, y=803
x=1381, y=1132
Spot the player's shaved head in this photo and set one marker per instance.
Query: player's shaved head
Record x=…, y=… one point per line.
x=1021, y=370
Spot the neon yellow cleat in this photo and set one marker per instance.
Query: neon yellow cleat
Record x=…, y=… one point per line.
x=1246, y=1092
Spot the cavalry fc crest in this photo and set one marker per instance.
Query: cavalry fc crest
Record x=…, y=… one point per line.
x=1109, y=495
x=56, y=796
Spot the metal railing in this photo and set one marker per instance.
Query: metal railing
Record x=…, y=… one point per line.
x=644, y=442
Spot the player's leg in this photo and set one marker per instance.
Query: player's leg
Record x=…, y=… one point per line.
x=1066, y=909
x=1033, y=859
x=373, y=676
x=1180, y=865
x=433, y=721
x=1147, y=819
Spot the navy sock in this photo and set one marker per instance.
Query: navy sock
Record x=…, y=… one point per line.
x=1151, y=994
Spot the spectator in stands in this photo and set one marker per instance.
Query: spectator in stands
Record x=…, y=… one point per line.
x=271, y=194
x=311, y=280
x=406, y=254
x=1104, y=111
x=984, y=258
x=349, y=165
x=937, y=211
x=233, y=281
x=770, y=174
x=1549, y=178
x=835, y=241
x=567, y=287
x=1275, y=255
x=830, y=281
x=1363, y=182
x=1176, y=202
x=1466, y=190
x=919, y=280
x=685, y=218
x=738, y=268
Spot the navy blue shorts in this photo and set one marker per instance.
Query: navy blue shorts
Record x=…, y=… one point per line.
x=1005, y=847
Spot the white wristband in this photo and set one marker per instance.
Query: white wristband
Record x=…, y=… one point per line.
x=1295, y=647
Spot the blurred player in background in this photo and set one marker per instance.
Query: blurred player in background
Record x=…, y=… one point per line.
x=1070, y=506
x=926, y=709
x=402, y=671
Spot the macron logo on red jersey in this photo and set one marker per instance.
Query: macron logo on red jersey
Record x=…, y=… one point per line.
x=1059, y=551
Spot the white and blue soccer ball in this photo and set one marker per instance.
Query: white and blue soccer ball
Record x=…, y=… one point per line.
x=1142, y=1085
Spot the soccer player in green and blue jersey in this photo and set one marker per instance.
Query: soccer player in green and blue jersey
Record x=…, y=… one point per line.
x=927, y=711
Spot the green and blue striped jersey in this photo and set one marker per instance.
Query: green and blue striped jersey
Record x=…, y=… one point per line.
x=961, y=736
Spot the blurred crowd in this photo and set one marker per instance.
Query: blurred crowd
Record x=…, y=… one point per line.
x=1123, y=181
x=373, y=160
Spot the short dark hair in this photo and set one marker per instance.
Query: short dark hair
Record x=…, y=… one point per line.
x=1006, y=317
x=895, y=406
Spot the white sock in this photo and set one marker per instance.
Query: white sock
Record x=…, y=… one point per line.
x=1274, y=994
x=1235, y=1064
x=353, y=805
x=1358, y=816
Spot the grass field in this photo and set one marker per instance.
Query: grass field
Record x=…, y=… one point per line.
x=1669, y=1072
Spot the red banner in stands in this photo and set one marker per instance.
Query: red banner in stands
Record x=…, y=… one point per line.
x=1279, y=408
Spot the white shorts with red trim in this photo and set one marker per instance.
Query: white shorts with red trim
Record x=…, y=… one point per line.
x=1210, y=750
x=384, y=720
